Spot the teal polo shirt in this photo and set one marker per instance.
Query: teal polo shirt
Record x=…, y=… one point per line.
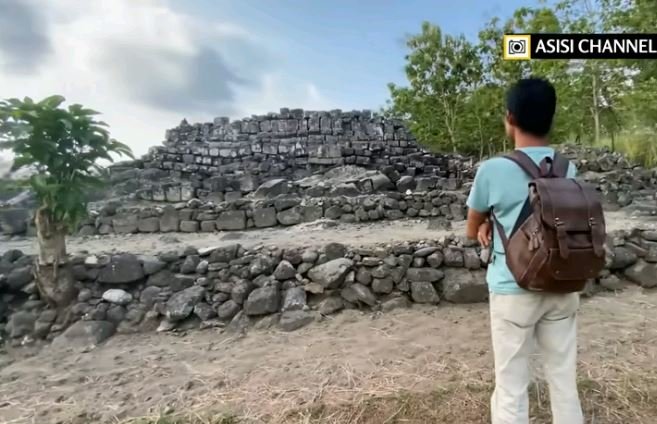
x=502, y=185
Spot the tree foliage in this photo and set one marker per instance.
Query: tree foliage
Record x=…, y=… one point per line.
x=454, y=99
x=63, y=146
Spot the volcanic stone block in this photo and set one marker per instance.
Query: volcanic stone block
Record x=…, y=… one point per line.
x=231, y=221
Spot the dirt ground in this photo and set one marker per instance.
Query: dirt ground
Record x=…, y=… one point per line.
x=272, y=377
x=310, y=234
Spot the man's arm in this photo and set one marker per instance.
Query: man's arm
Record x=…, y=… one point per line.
x=475, y=219
x=478, y=203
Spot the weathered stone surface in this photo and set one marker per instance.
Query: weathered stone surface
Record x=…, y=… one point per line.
x=181, y=304
x=335, y=251
x=284, y=271
x=84, y=333
x=294, y=320
x=21, y=324
x=117, y=296
x=265, y=217
x=13, y=221
x=612, y=282
x=643, y=273
x=294, y=298
x=264, y=300
x=291, y=216
x=364, y=276
x=471, y=259
x=122, y=269
x=464, y=286
x=330, y=305
x=150, y=295
x=622, y=258
x=190, y=264
x=189, y=226
x=424, y=292
x=125, y=224
x=453, y=257
x=19, y=278
x=435, y=260
x=382, y=285
x=424, y=274
x=204, y=311
x=272, y=188
x=358, y=293
x=228, y=310
x=231, y=221
x=149, y=225
x=331, y=274
x=151, y=264
x=169, y=221
x=400, y=302
x=405, y=183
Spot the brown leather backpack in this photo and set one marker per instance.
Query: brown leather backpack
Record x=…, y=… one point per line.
x=558, y=240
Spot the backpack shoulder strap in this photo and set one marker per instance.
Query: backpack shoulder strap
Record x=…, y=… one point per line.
x=560, y=165
x=524, y=162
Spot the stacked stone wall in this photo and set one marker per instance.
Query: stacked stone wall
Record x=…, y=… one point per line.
x=287, y=288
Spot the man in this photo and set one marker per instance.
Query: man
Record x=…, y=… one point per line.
x=522, y=320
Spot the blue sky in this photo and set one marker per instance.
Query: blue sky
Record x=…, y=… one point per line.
x=350, y=49
x=146, y=64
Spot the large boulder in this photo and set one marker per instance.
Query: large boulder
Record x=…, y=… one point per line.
x=643, y=273
x=460, y=286
x=622, y=258
x=424, y=292
x=331, y=274
x=294, y=298
x=121, y=269
x=262, y=301
x=181, y=304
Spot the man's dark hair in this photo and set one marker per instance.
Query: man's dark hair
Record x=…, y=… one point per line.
x=532, y=102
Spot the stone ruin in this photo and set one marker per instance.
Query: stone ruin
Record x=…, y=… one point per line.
x=279, y=170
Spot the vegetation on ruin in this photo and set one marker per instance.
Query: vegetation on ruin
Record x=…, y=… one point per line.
x=63, y=145
x=454, y=99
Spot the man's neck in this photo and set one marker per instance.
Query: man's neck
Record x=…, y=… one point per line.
x=528, y=140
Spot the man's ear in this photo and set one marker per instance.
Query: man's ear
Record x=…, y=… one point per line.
x=510, y=119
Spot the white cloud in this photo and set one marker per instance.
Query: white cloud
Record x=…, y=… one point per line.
x=146, y=66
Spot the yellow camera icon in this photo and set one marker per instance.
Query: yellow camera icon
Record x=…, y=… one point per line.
x=517, y=47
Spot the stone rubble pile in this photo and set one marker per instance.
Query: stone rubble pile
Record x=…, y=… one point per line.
x=234, y=288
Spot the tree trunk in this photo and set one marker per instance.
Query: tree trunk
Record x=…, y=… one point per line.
x=596, y=110
x=53, y=275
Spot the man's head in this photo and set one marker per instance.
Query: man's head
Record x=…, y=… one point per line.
x=530, y=107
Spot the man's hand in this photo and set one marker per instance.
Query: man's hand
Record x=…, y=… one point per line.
x=485, y=234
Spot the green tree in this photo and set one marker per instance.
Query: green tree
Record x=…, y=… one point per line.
x=63, y=146
x=441, y=70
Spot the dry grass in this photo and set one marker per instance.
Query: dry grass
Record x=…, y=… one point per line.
x=610, y=394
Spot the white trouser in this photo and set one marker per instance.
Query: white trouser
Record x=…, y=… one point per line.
x=519, y=323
